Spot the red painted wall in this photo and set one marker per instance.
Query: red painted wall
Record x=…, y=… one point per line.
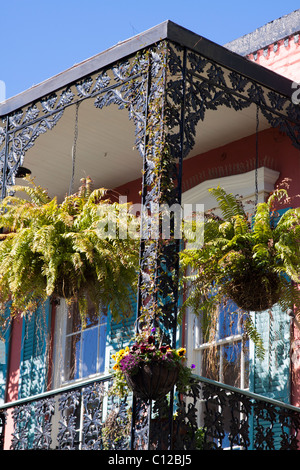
x=275, y=151
x=14, y=360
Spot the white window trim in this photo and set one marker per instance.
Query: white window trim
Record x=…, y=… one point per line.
x=59, y=345
x=60, y=335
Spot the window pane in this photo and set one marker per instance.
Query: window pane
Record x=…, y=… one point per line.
x=89, y=351
x=246, y=364
x=92, y=315
x=72, y=357
x=102, y=345
x=211, y=363
x=73, y=319
x=228, y=321
x=85, y=347
x=232, y=364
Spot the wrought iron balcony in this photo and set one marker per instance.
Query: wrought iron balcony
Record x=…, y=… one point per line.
x=211, y=416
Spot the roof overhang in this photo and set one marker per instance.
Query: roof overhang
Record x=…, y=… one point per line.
x=105, y=144
x=166, y=30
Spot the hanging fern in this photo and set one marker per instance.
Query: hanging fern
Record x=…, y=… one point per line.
x=52, y=249
x=247, y=260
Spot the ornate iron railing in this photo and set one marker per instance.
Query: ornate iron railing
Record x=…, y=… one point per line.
x=77, y=417
x=211, y=416
x=231, y=418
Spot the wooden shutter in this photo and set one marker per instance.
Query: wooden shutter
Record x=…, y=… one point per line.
x=270, y=377
x=33, y=367
x=119, y=334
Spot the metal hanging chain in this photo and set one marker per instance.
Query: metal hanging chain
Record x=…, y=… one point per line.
x=256, y=156
x=74, y=148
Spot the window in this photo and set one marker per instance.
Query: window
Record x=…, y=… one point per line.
x=80, y=352
x=225, y=358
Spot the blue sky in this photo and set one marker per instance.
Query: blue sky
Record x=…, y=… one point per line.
x=42, y=38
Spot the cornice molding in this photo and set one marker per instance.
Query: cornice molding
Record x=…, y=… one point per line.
x=240, y=184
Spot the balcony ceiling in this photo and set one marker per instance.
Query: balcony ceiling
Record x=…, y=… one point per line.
x=105, y=148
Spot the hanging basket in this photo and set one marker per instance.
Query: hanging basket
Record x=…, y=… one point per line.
x=254, y=292
x=153, y=380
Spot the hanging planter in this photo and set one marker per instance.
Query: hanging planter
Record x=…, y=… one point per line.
x=149, y=369
x=254, y=292
x=153, y=380
x=249, y=260
x=65, y=250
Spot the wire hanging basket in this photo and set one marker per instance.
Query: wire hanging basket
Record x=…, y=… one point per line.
x=153, y=380
x=257, y=292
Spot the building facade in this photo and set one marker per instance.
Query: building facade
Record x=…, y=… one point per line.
x=228, y=117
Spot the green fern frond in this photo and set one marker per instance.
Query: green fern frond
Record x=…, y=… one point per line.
x=37, y=194
x=254, y=335
x=240, y=224
x=262, y=231
x=228, y=203
x=56, y=249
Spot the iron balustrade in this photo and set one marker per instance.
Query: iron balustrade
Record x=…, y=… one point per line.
x=232, y=418
x=70, y=418
x=210, y=416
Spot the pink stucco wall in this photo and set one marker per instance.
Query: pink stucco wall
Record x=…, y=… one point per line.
x=14, y=360
x=282, y=57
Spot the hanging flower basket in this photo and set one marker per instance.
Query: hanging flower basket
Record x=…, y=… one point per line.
x=153, y=380
x=247, y=262
x=149, y=369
